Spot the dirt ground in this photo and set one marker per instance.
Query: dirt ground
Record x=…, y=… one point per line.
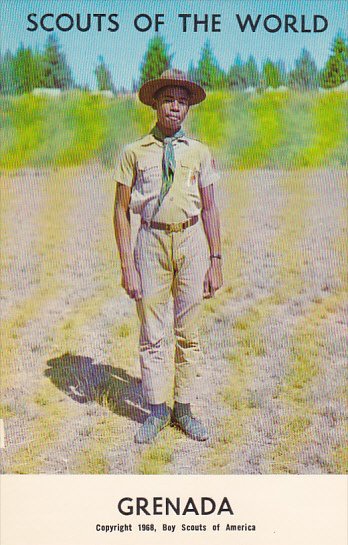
x=68, y=329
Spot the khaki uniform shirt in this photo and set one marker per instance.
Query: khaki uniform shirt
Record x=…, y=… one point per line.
x=140, y=167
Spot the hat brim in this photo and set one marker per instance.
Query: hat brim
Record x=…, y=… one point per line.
x=151, y=87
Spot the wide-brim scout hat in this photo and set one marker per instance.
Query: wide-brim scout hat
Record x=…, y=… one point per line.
x=175, y=78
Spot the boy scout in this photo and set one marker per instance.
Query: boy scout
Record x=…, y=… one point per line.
x=168, y=178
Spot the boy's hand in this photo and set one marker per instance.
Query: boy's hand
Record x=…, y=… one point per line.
x=213, y=279
x=131, y=281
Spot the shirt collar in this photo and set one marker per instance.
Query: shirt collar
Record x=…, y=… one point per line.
x=183, y=139
x=150, y=139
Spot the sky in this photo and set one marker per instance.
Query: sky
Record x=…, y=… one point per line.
x=124, y=50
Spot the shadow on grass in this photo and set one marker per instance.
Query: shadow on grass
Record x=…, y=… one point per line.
x=84, y=381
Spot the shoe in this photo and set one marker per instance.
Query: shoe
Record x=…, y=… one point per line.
x=191, y=426
x=151, y=427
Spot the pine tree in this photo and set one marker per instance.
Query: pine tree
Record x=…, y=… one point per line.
x=252, y=76
x=8, y=84
x=271, y=74
x=305, y=73
x=134, y=85
x=156, y=60
x=336, y=69
x=208, y=72
x=57, y=73
x=27, y=70
x=282, y=70
x=192, y=72
x=103, y=75
x=237, y=76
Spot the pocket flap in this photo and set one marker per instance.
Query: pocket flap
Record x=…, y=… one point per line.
x=189, y=163
x=146, y=164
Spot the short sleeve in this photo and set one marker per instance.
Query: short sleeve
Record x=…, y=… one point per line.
x=125, y=168
x=208, y=173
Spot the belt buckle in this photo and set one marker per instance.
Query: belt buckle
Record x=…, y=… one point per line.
x=174, y=228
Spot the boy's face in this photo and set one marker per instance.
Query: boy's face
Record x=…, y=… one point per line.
x=172, y=105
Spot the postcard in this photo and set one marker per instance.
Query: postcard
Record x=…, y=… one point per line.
x=173, y=272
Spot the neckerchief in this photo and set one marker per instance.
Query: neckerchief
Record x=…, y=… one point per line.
x=168, y=161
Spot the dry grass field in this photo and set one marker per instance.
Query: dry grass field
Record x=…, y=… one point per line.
x=272, y=383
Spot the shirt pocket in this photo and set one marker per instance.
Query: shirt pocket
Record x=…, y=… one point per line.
x=149, y=177
x=189, y=172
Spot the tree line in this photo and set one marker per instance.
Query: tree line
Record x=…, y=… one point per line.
x=241, y=75
x=25, y=70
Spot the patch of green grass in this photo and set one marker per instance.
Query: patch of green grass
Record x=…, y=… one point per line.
x=284, y=457
x=92, y=460
x=41, y=399
x=298, y=128
x=211, y=120
x=340, y=457
x=94, y=463
x=247, y=326
x=124, y=122
x=235, y=396
x=329, y=138
x=84, y=126
x=158, y=456
x=124, y=330
x=143, y=117
x=6, y=411
x=305, y=354
x=210, y=307
x=23, y=123
x=267, y=113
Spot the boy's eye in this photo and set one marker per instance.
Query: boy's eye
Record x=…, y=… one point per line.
x=172, y=100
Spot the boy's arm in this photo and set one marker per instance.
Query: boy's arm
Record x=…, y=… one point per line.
x=211, y=223
x=130, y=276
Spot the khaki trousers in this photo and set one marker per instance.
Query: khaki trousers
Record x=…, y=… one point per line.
x=174, y=265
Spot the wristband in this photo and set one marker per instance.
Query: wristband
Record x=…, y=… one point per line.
x=216, y=256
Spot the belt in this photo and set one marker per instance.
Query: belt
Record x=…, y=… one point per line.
x=171, y=227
